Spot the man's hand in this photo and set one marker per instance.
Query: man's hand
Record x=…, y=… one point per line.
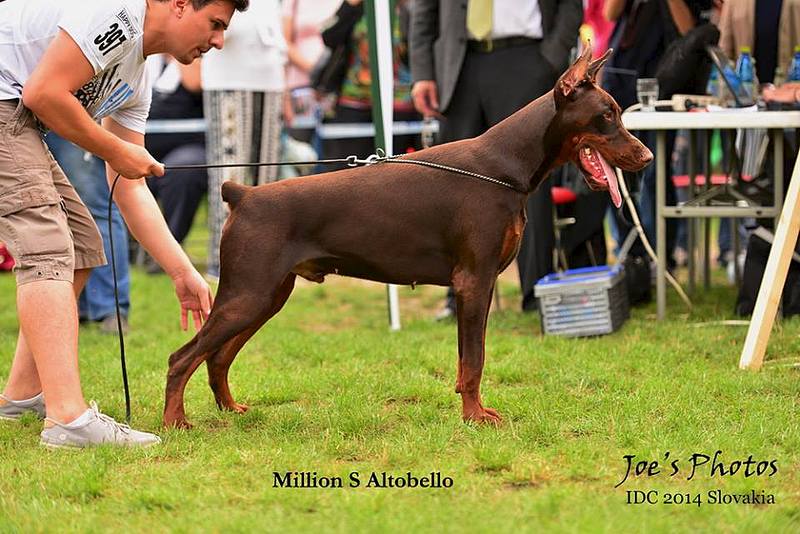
x=426, y=98
x=133, y=161
x=194, y=295
x=786, y=93
x=288, y=110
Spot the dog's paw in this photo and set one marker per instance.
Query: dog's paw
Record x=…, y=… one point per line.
x=484, y=416
x=236, y=407
x=180, y=423
x=227, y=404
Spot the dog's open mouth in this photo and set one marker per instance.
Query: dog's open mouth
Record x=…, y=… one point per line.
x=600, y=174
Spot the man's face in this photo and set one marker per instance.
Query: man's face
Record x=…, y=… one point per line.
x=198, y=31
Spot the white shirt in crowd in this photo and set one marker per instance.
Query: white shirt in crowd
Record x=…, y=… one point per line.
x=254, y=55
x=307, y=18
x=108, y=32
x=516, y=18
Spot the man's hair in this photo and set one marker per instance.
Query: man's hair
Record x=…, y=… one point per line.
x=239, y=5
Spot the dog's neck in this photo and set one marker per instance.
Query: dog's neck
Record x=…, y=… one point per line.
x=526, y=145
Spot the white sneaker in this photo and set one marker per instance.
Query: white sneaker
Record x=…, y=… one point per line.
x=12, y=410
x=91, y=429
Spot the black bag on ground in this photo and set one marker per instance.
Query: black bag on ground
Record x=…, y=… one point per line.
x=754, y=267
x=637, y=278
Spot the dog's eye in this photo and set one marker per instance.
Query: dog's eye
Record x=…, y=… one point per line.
x=608, y=116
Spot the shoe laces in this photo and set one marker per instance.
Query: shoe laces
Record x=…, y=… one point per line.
x=109, y=421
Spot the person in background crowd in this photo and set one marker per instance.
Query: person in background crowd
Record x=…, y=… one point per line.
x=243, y=88
x=65, y=65
x=600, y=27
x=643, y=31
x=177, y=94
x=354, y=101
x=787, y=93
x=87, y=174
x=302, y=23
x=752, y=23
x=474, y=67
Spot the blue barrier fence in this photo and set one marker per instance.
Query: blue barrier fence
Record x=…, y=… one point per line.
x=322, y=131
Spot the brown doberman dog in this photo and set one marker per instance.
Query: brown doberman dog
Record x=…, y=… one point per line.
x=405, y=224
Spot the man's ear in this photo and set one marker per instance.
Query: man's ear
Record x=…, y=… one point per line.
x=179, y=6
x=595, y=65
x=575, y=75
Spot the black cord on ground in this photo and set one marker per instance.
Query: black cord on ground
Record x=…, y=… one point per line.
x=116, y=305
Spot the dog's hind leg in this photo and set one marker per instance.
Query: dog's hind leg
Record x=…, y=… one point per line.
x=220, y=362
x=473, y=298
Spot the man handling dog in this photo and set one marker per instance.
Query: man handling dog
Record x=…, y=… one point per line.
x=64, y=65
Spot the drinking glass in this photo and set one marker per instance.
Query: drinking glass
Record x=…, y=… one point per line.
x=647, y=92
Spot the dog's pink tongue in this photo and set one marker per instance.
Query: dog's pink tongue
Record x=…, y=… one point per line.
x=611, y=178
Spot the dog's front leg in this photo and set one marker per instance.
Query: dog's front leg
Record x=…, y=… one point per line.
x=473, y=298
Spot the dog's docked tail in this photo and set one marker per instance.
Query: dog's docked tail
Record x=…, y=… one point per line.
x=232, y=193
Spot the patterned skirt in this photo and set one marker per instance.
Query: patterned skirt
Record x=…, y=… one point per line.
x=243, y=127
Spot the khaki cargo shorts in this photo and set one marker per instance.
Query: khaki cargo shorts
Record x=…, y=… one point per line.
x=43, y=223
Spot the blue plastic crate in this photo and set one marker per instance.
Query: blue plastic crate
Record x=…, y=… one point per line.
x=591, y=301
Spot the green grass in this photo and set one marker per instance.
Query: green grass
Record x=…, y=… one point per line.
x=331, y=390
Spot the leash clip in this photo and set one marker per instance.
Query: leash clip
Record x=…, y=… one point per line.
x=377, y=157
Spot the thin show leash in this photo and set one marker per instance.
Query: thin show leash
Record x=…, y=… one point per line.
x=351, y=161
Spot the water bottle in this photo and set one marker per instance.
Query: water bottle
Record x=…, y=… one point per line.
x=428, y=132
x=726, y=94
x=793, y=74
x=713, y=82
x=745, y=70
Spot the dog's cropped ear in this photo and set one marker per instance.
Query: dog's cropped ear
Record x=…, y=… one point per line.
x=575, y=75
x=597, y=64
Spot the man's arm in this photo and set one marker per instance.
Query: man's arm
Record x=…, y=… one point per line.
x=423, y=33
x=341, y=25
x=49, y=94
x=143, y=216
x=293, y=54
x=681, y=15
x=727, y=41
x=564, y=35
x=613, y=9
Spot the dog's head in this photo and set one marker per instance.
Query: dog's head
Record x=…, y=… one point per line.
x=591, y=127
